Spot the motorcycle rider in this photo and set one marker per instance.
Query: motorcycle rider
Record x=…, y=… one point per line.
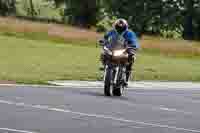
x=120, y=32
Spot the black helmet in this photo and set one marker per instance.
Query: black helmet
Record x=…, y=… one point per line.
x=120, y=25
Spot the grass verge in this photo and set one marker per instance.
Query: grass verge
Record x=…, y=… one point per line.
x=32, y=61
x=72, y=35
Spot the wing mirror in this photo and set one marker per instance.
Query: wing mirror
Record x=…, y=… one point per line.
x=101, y=42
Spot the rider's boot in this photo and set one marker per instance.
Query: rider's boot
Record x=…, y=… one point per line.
x=129, y=70
x=127, y=78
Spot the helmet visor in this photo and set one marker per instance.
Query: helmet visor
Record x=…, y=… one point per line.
x=120, y=28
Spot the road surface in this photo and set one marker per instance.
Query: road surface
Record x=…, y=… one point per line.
x=84, y=109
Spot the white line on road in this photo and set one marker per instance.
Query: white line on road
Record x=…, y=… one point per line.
x=41, y=107
x=132, y=85
x=175, y=110
x=15, y=130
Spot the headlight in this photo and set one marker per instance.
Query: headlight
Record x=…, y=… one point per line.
x=107, y=50
x=118, y=52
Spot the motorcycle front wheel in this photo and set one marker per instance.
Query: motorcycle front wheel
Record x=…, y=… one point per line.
x=118, y=89
x=108, y=82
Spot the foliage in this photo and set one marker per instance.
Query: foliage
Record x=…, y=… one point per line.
x=42, y=9
x=31, y=8
x=105, y=24
x=177, y=17
x=81, y=13
x=175, y=33
x=7, y=7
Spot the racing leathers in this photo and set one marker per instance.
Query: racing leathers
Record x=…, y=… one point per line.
x=127, y=38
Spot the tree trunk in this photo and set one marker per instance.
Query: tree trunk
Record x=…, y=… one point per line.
x=82, y=13
x=12, y=7
x=188, y=33
x=32, y=10
x=7, y=7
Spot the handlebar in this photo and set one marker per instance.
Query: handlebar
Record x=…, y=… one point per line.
x=102, y=42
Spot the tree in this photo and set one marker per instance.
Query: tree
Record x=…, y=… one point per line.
x=79, y=12
x=7, y=7
x=197, y=19
x=143, y=15
x=192, y=19
x=188, y=22
x=31, y=8
x=150, y=16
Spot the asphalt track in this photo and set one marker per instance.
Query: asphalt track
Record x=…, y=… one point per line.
x=84, y=109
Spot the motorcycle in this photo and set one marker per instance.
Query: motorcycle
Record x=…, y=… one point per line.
x=115, y=69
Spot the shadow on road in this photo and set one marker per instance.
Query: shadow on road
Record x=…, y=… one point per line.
x=101, y=94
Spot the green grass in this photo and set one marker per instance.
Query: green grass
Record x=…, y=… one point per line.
x=43, y=36
x=34, y=61
x=14, y=27
x=167, y=68
x=31, y=61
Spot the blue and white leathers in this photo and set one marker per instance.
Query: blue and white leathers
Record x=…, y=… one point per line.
x=127, y=36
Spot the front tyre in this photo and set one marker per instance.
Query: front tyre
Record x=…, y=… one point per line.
x=119, y=87
x=108, y=82
x=118, y=91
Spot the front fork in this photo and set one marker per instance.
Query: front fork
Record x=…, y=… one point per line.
x=115, y=72
x=119, y=74
x=105, y=72
x=116, y=75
